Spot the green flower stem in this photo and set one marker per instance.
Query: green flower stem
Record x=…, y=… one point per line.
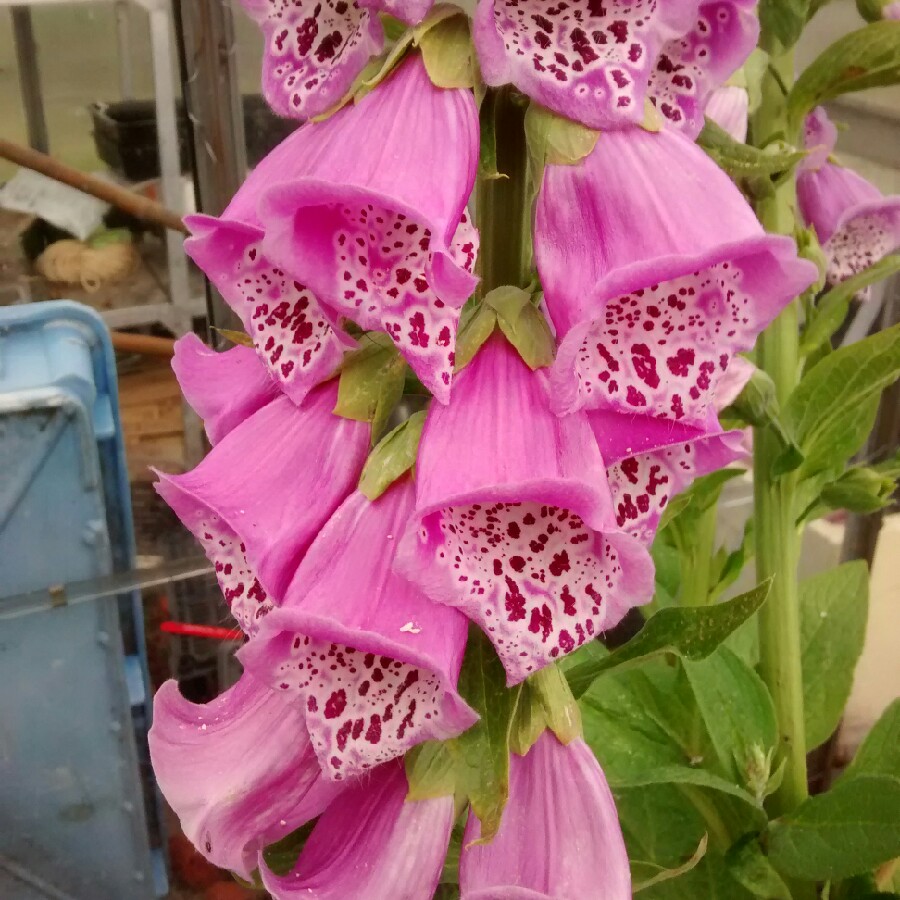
x=777, y=537
x=502, y=205
x=696, y=560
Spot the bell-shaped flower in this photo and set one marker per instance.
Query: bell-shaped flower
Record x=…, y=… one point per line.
x=650, y=460
x=375, y=224
x=728, y=107
x=692, y=66
x=258, y=499
x=599, y=63
x=374, y=662
x=291, y=332
x=559, y=837
x=239, y=772
x=313, y=51
x=855, y=223
x=371, y=843
x=222, y=388
x=514, y=522
x=655, y=272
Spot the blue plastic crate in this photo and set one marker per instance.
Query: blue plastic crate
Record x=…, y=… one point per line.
x=74, y=688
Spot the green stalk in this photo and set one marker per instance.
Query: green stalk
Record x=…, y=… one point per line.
x=777, y=537
x=502, y=205
x=696, y=560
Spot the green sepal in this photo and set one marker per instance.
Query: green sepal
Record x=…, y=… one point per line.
x=430, y=771
x=523, y=325
x=474, y=330
x=546, y=702
x=448, y=53
x=371, y=383
x=394, y=456
x=240, y=338
x=688, y=632
x=555, y=140
x=743, y=161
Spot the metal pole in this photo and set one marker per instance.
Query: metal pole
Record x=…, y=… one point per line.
x=29, y=78
x=209, y=73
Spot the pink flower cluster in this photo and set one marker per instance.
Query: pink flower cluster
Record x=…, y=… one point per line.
x=535, y=494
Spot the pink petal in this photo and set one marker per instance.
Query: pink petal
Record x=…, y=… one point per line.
x=685, y=278
x=259, y=498
x=222, y=388
x=370, y=843
x=559, y=837
x=727, y=107
x=692, y=65
x=410, y=11
x=314, y=49
x=239, y=772
x=585, y=60
x=514, y=521
x=856, y=224
x=819, y=138
x=370, y=224
x=374, y=661
x=291, y=331
x=649, y=461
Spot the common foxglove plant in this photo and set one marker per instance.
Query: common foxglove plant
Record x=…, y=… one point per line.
x=564, y=360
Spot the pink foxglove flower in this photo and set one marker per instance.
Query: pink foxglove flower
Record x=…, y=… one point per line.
x=371, y=843
x=291, y=332
x=222, y=388
x=240, y=772
x=728, y=108
x=259, y=498
x=559, y=837
x=374, y=662
x=656, y=272
x=376, y=223
x=599, y=62
x=514, y=522
x=855, y=223
x=314, y=49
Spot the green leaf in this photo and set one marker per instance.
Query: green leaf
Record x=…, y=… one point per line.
x=739, y=715
x=372, y=380
x=834, y=400
x=833, y=611
x=782, y=20
x=847, y=831
x=481, y=754
x=394, y=456
x=689, y=632
x=448, y=53
x=750, y=868
x=832, y=308
x=654, y=874
x=879, y=753
x=430, y=771
x=523, y=324
x=867, y=58
x=743, y=160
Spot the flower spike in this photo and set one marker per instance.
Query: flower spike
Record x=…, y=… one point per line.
x=239, y=772
x=856, y=224
x=684, y=278
x=373, y=660
x=559, y=837
x=371, y=843
x=376, y=224
x=514, y=522
x=258, y=499
x=222, y=388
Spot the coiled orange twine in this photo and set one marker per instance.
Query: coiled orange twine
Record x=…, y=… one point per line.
x=91, y=266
